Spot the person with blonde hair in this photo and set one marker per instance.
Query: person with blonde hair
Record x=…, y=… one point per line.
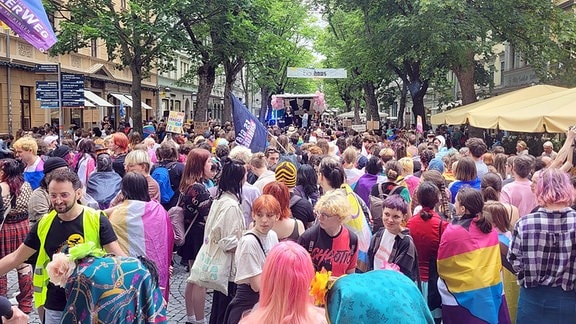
x=260, y=169
x=411, y=181
x=329, y=237
x=521, y=148
x=26, y=148
x=284, y=292
x=139, y=161
x=350, y=156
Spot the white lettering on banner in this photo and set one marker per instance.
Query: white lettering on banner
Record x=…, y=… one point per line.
x=247, y=133
x=27, y=18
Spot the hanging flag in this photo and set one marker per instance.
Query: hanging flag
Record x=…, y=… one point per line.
x=249, y=131
x=122, y=110
x=28, y=19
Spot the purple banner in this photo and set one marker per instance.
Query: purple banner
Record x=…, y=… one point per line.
x=28, y=19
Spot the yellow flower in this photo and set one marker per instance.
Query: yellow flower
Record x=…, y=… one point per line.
x=319, y=286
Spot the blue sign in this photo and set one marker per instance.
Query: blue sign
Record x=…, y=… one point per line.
x=49, y=104
x=72, y=90
x=46, y=68
x=47, y=90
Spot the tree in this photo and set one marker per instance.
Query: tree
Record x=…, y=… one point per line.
x=282, y=43
x=136, y=37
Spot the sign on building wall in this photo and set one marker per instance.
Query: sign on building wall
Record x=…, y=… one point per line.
x=294, y=72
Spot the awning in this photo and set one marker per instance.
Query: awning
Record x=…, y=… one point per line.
x=145, y=106
x=127, y=100
x=87, y=103
x=96, y=100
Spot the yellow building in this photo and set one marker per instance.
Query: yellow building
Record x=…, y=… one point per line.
x=105, y=87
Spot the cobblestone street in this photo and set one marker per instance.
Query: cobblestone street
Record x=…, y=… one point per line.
x=176, y=306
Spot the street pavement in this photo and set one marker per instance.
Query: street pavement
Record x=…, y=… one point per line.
x=176, y=306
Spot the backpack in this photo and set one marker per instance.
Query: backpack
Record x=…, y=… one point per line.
x=162, y=176
x=377, y=203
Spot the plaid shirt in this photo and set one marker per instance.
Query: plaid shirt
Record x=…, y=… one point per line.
x=543, y=249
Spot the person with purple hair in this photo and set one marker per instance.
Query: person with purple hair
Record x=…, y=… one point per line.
x=393, y=243
x=542, y=253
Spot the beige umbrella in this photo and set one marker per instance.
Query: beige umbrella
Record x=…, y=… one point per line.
x=460, y=115
x=552, y=113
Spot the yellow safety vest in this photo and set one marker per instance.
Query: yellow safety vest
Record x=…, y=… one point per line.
x=91, y=227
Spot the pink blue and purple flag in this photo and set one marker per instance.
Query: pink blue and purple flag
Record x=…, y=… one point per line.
x=28, y=19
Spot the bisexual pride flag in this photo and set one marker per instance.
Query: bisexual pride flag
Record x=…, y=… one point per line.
x=249, y=131
x=28, y=19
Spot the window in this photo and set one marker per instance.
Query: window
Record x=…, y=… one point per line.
x=94, y=48
x=25, y=108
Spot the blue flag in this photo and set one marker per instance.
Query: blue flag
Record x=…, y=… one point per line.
x=249, y=131
x=122, y=110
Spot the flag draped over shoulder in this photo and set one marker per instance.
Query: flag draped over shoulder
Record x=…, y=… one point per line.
x=469, y=265
x=249, y=131
x=358, y=224
x=28, y=19
x=144, y=228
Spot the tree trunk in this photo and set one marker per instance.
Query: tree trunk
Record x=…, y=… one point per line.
x=136, y=92
x=417, y=92
x=231, y=68
x=465, y=75
x=206, y=79
x=402, y=106
x=264, y=103
x=371, y=102
x=357, y=111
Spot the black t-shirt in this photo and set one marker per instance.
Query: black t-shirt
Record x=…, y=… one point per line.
x=118, y=164
x=302, y=209
x=65, y=233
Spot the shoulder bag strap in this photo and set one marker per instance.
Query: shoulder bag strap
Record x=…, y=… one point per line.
x=380, y=191
x=257, y=239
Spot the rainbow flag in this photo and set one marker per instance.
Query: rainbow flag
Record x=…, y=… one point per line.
x=469, y=265
x=144, y=228
x=358, y=224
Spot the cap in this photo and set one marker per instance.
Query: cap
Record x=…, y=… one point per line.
x=53, y=163
x=286, y=173
x=61, y=151
x=436, y=164
x=48, y=139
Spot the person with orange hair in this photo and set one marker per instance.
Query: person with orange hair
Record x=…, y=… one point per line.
x=251, y=254
x=118, y=145
x=287, y=227
x=284, y=293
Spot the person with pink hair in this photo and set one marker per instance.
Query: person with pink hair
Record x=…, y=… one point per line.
x=542, y=252
x=284, y=291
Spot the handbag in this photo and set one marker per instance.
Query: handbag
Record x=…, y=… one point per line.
x=176, y=215
x=211, y=269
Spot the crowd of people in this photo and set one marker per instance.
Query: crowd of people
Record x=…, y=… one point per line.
x=403, y=226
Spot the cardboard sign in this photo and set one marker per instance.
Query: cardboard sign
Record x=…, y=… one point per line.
x=359, y=128
x=175, y=122
x=201, y=127
x=373, y=125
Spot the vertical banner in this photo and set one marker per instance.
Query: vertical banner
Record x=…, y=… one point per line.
x=175, y=122
x=249, y=131
x=28, y=19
